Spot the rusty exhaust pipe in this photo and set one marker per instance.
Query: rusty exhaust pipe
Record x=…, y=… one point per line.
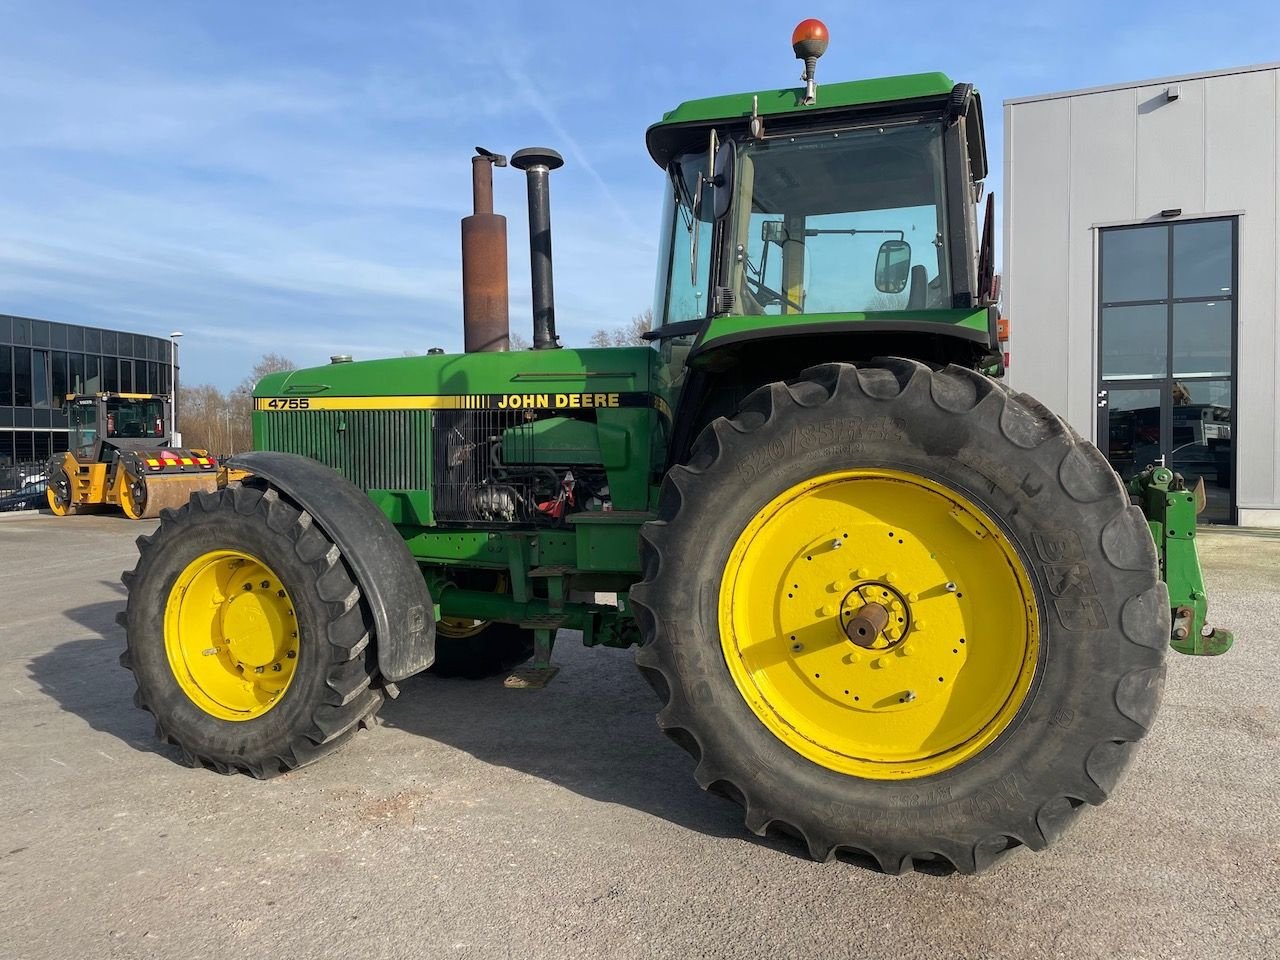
x=486, y=313
x=537, y=163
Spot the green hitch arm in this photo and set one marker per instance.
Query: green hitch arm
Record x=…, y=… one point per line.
x=1171, y=511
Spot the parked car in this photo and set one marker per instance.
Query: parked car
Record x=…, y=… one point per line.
x=30, y=496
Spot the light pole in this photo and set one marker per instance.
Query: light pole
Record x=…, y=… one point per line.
x=174, y=437
x=225, y=416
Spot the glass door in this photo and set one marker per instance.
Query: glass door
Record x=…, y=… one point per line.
x=1166, y=345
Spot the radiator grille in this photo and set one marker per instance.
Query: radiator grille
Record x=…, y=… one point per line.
x=374, y=449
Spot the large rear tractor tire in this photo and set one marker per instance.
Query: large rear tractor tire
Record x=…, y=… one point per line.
x=248, y=638
x=904, y=614
x=475, y=649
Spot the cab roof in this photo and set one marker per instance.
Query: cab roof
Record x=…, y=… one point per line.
x=673, y=133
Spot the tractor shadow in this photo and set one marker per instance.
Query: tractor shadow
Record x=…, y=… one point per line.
x=591, y=731
x=85, y=678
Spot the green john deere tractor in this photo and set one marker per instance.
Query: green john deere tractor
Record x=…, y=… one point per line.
x=889, y=605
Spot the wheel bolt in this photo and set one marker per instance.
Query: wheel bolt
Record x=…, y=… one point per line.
x=919, y=624
x=248, y=586
x=294, y=634
x=860, y=573
x=275, y=667
x=890, y=578
x=828, y=610
x=280, y=594
x=908, y=649
x=951, y=587
x=209, y=652
x=795, y=647
x=837, y=544
x=908, y=696
x=291, y=654
x=265, y=584
x=837, y=585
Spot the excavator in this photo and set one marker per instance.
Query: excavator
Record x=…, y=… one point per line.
x=122, y=455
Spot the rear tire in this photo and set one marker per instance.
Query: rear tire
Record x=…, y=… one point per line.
x=328, y=663
x=1097, y=617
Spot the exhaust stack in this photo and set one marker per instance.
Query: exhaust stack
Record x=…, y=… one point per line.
x=486, y=314
x=537, y=163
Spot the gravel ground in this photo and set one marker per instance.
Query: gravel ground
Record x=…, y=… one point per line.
x=482, y=822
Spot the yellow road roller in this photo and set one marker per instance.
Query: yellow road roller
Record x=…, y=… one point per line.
x=121, y=454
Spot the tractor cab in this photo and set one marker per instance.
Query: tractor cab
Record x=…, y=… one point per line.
x=101, y=423
x=841, y=210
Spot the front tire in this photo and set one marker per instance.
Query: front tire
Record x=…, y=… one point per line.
x=1019, y=654
x=248, y=638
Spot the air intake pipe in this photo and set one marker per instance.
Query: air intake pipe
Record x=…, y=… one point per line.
x=486, y=319
x=537, y=163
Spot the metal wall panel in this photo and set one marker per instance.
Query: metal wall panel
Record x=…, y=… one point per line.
x=1037, y=216
x=1240, y=174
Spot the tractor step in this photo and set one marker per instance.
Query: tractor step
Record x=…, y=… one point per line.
x=543, y=622
x=530, y=678
x=552, y=571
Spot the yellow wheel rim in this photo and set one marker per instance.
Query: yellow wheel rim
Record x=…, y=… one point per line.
x=127, y=502
x=460, y=628
x=928, y=689
x=231, y=635
x=59, y=508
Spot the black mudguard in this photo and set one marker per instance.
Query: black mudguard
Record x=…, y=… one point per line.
x=385, y=571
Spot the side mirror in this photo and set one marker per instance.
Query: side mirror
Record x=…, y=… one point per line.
x=722, y=178
x=893, y=266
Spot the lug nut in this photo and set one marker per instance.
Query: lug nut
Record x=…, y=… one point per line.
x=280, y=594
x=248, y=586
x=265, y=584
x=291, y=654
x=908, y=696
x=837, y=544
x=257, y=669
x=951, y=587
x=209, y=652
x=275, y=667
x=837, y=585
x=890, y=578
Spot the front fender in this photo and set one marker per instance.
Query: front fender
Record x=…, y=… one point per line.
x=385, y=571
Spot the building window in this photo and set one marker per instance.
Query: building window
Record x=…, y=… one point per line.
x=6, y=376
x=22, y=376
x=1167, y=312
x=40, y=378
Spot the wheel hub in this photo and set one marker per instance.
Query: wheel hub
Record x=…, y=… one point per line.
x=878, y=623
x=231, y=635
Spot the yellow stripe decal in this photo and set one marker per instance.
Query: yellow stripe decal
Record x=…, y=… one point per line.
x=472, y=401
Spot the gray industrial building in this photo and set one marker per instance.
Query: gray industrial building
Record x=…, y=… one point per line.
x=1142, y=274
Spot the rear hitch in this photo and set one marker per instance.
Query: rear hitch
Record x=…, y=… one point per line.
x=1171, y=509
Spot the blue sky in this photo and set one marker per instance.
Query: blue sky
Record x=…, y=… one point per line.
x=288, y=177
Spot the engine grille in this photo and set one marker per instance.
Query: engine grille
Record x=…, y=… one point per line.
x=374, y=449
x=471, y=483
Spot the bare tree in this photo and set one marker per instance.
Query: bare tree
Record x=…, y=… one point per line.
x=629, y=335
x=518, y=342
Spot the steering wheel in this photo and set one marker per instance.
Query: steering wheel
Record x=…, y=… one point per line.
x=768, y=296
